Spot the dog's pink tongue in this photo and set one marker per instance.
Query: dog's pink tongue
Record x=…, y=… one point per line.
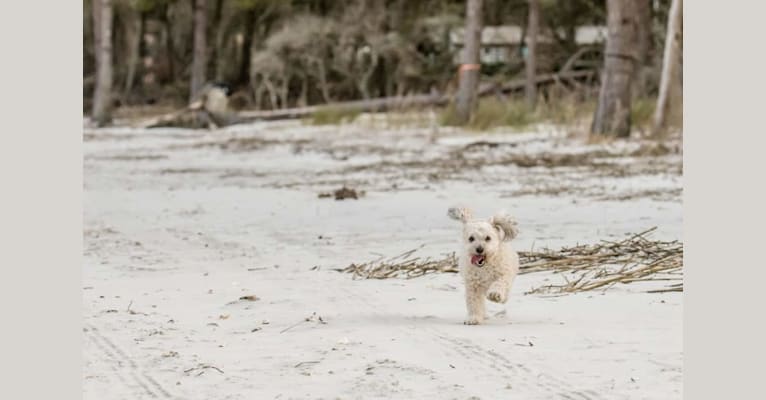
x=477, y=259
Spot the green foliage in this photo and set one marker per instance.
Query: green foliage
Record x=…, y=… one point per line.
x=307, y=52
x=331, y=115
x=641, y=113
x=255, y=4
x=559, y=107
x=492, y=112
x=147, y=5
x=143, y=5
x=566, y=108
x=448, y=116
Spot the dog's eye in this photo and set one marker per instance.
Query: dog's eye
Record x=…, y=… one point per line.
x=487, y=238
x=470, y=239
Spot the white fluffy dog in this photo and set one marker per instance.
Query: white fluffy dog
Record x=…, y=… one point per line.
x=488, y=264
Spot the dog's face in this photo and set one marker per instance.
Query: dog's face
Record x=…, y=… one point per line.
x=481, y=240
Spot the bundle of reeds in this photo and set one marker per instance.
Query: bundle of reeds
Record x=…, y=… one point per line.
x=402, y=266
x=594, y=266
x=583, y=267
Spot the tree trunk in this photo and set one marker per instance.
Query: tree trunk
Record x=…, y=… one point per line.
x=469, y=70
x=135, y=36
x=223, y=54
x=323, y=86
x=244, y=67
x=284, y=90
x=214, y=33
x=612, y=115
x=643, y=47
x=670, y=62
x=303, y=98
x=96, y=8
x=363, y=83
x=169, y=45
x=199, y=63
x=533, y=24
x=102, y=98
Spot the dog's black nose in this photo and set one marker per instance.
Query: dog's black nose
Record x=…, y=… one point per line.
x=479, y=249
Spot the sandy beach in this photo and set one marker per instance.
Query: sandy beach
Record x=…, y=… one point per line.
x=209, y=264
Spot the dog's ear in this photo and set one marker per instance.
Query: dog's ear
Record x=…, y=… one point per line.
x=460, y=213
x=505, y=225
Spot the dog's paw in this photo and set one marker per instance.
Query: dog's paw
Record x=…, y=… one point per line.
x=496, y=297
x=472, y=321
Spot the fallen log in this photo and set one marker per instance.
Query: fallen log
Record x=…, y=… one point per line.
x=518, y=84
x=209, y=109
x=371, y=105
x=392, y=103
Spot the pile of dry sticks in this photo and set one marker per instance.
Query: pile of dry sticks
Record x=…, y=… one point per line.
x=583, y=267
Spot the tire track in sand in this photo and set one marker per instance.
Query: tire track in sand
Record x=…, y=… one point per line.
x=140, y=383
x=524, y=377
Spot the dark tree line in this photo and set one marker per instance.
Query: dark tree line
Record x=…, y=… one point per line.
x=275, y=54
x=626, y=57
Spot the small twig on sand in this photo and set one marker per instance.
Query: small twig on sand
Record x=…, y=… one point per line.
x=304, y=363
x=129, y=311
x=307, y=319
x=203, y=367
x=292, y=326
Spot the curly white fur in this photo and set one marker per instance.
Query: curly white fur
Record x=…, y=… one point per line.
x=499, y=266
x=507, y=224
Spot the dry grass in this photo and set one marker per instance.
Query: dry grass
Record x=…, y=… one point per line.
x=642, y=113
x=605, y=264
x=573, y=109
x=398, y=119
x=560, y=107
x=492, y=113
x=448, y=116
x=567, y=108
x=583, y=268
x=402, y=266
x=407, y=119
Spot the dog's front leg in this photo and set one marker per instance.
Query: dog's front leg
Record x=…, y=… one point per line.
x=474, y=300
x=498, y=291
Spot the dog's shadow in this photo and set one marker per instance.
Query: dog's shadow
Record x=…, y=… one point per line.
x=392, y=319
x=416, y=321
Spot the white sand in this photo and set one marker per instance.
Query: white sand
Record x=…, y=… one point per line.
x=179, y=232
